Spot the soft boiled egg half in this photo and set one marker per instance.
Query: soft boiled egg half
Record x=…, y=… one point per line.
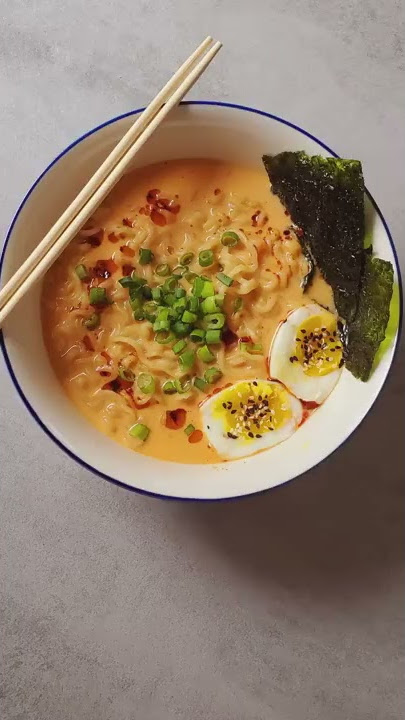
x=306, y=354
x=250, y=416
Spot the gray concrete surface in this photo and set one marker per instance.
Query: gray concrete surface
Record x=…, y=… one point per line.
x=287, y=606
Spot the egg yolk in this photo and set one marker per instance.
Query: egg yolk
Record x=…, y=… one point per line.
x=317, y=345
x=249, y=410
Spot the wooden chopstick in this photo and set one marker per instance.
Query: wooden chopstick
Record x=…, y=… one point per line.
x=105, y=178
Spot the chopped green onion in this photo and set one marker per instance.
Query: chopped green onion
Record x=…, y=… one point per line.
x=125, y=374
x=169, y=387
x=205, y=354
x=180, y=305
x=179, y=271
x=139, y=431
x=183, y=385
x=212, y=304
x=208, y=289
x=190, y=277
x=212, y=375
x=170, y=299
x=179, y=346
x=163, y=313
x=92, y=322
x=170, y=284
x=162, y=270
x=81, y=272
x=225, y=279
x=157, y=293
x=251, y=348
x=180, y=292
x=146, y=383
x=146, y=292
x=189, y=317
x=197, y=336
x=237, y=304
x=255, y=348
x=193, y=303
x=200, y=384
x=159, y=325
x=126, y=281
x=206, y=258
x=214, y=321
x=189, y=429
x=150, y=307
x=212, y=337
x=229, y=238
x=198, y=285
x=98, y=296
x=136, y=280
x=139, y=314
x=186, y=359
x=164, y=337
x=145, y=256
x=187, y=258
x=180, y=328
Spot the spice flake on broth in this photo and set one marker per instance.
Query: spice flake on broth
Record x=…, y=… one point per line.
x=250, y=286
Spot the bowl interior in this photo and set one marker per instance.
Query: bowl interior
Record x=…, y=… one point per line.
x=193, y=130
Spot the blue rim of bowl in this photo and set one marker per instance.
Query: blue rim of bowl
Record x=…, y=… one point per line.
x=26, y=402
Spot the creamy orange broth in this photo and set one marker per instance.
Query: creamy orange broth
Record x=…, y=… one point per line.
x=267, y=268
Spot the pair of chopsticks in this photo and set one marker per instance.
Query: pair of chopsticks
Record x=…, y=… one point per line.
x=104, y=179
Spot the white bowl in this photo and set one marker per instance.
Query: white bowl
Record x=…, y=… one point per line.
x=195, y=129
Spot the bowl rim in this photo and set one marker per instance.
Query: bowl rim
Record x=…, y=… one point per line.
x=33, y=413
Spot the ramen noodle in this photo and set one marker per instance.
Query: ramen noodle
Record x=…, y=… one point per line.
x=141, y=353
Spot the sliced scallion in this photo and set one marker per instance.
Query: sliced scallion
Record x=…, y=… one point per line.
x=229, y=238
x=214, y=321
x=183, y=385
x=92, y=322
x=145, y=256
x=197, y=335
x=198, y=285
x=146, y=292
x=212, y=337
x=98, y=296
x=189, y=429
x=170, y=284
x=164, y=337
x=212, y=375
x=255, y=348
x=163, y=270
x=180, y=328
x=189, y=317
x=146, y=383
x=206, y=258
x=187, y=258
x=200, y=384
x=169, y=387
x=186, y=359
x=180, y=292
x=139, y=431
x=212, y=304
x=157, y=294
x=126, y=374
x=81, y=272
x=205, y=354
x=190, y=276
x=208, y=289
x=179, y=346
x=225, y=279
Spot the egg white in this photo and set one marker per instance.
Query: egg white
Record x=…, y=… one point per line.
x=230, y=449
x=292, y=375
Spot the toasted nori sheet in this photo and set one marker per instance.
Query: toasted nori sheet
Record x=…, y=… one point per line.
x=325, y=198
x=367, y=330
